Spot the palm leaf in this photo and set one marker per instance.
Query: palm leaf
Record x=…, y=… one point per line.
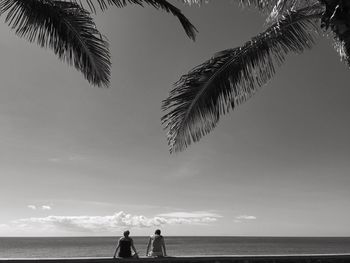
x=231, y=77
x=65, y=28
x=275, y=9
x=282, y=7
x=339, y=22
x=262, y=5
x=158, y=4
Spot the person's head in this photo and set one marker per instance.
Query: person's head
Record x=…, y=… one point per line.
x=126, y=233
x=157, y=232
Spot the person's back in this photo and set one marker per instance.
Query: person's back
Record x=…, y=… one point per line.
x=157, y=245
x=124, y=247
x=125, y=244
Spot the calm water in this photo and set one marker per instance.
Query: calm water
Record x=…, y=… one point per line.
x=176, y=246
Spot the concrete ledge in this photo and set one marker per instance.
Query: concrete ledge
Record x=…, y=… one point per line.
x=329, y=258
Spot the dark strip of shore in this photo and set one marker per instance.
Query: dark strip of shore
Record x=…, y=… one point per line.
x=333, y=258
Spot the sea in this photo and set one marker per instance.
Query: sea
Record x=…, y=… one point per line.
x=60, y=247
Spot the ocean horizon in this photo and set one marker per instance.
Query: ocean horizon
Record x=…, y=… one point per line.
x=66, y=247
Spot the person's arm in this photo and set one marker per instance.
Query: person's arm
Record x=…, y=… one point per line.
x=116, y=250
x=148, y=246
x=163, y=246
x=133, y=247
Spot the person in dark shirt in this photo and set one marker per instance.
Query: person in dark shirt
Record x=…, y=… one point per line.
x=156, y=245
x=125, y=244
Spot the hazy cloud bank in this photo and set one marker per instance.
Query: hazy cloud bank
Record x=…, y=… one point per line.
x=197, y=214
x=109, y=223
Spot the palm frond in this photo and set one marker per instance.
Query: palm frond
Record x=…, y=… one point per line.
x=275, y=9
x=337, y=17
x=262, y=5
x=231, y=77
x=283, y=7
x=189, y=28
x=104, y=4
x=65, y=28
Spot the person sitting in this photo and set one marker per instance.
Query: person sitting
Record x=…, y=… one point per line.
x=157, y=243
x=124, y=246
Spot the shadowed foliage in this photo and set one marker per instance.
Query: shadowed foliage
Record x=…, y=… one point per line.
x=158, y=4
x=232, y=76
x=66, y=27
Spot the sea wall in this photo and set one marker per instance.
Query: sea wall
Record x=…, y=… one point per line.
x=343, y=258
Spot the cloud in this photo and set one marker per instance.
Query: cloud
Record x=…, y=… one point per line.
x=246, y=217
x=43, y=207
x=198, y=217
x=109, y=223
x=242, y=218
x=69, y=158
x=199, y=214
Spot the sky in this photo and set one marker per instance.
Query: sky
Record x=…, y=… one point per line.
x=76, y=160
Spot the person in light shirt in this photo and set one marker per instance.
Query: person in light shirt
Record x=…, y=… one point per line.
x=156, y=245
